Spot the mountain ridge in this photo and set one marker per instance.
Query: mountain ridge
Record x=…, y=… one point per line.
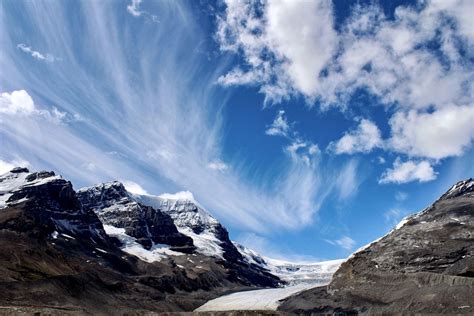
x=424, y=265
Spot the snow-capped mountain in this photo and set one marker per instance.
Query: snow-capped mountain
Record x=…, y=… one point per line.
x=294, y=273
x=134, y=223
x=49, y=206
x=146, y=224
x=209, y=236
x=56, y=253
x=149, y=227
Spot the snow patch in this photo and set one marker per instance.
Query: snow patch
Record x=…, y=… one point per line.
x=131, y=246
x=11, y=182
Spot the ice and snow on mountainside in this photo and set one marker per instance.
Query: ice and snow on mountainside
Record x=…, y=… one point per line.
x=142, y=229
x=294, y=273
x=191, y=219
x=129, y=244
x=17, y=178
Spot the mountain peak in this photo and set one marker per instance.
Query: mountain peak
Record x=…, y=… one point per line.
x=460, y=188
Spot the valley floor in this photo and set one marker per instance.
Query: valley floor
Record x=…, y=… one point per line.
x=266, y=299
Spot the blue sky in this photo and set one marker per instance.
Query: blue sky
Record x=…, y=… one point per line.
x=309, y=128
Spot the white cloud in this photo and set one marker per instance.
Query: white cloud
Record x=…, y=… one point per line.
x=279, y=125
x=16, y=102
x=288, y=50
x=403, y=172
x=286, y=45
x=134, y=187
x=217, y=165
x=6, y=166
x=302, y=33
x=363, y=139
x=345, y=242
x=37, y=55
x=438, y=134
x=134, y=9
x=296, y=37
x=20, y=103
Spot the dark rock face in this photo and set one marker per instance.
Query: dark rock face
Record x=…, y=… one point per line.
x=425, y=265
x=48, y=204
x=112, y=203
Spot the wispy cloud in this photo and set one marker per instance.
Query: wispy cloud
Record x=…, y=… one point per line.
x=279, y=125
x=167, y=131
x=134, y=9
x=394, y=215
x=299, y=149
x=262, y=245
x=401, y=196
x=348, y=180
x=344, y=242
x=217, y=165
x=37, y=55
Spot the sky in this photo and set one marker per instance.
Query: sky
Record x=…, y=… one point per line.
x=308, y=128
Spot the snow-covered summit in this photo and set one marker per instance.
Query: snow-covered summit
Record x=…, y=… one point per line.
x=192, y=220
x=118, y=208
x=183, y=208
x=17, y=178
x=460, y=188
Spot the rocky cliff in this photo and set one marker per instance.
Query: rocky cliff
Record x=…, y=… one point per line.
x=424, y=265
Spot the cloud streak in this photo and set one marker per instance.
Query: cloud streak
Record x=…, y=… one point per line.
x=37, y=55
x=157, y=110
